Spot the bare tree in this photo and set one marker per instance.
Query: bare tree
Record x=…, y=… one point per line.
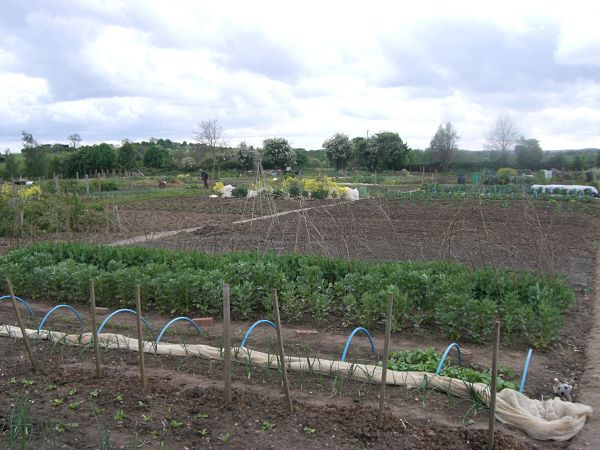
x=210, y=133
x=502, y=137
x=443, y=144
x=75, y=139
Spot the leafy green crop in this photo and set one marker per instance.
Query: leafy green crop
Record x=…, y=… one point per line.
x=428, y=360
x=460, y=301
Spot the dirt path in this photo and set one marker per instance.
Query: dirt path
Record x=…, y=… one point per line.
x=154, y=236
x=589, y=392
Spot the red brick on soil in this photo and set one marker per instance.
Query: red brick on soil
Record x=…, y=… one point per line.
x=204, y=321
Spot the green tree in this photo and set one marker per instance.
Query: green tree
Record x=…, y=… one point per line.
x=11, y=165
x=126, y=156
x=556, y=161
x=35, y=156
x=245, y=156
x=277, y=153
x=391, y=152
x=598, y=159
x=443, y=144
x=360, y=156
x=89, y=159
x=339, y=150
x=578, y=163
x=529, y=154
x=157, y=157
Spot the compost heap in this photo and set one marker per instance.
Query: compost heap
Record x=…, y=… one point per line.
x=552, y=419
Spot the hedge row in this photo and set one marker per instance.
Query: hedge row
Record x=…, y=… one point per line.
x=461, y=301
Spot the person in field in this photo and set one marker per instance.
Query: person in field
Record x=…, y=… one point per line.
x=204, y=176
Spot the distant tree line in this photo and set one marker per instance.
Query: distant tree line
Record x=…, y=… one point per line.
x=382, y=151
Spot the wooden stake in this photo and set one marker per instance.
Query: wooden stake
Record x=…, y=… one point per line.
x=493, y=385
x=20, y=320
x=282, y=367
x=227, y=343
x=386, y=348
x=95, y=328
x=138, y=307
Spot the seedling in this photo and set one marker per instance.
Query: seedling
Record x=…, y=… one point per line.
x=58, y=401
x=120, y=415
x=74, y=406
x=72, y=392
x=224, y=438
x=98, y=410
x=309, y=431
x=204, y=432
x=266, y=425
x=27, y=383
x=146, y=418
x=119, y=398
x=175, y=424
x=13, y=380
x=94, y=393
x=51, y=387
x=202, y=415
x=142, y=404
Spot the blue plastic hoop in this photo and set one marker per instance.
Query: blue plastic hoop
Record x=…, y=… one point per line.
x=195, y=325
x=525, y=368
x=20, y=300
x=356, y=330
x=444, y=356
x=252, y=328
x=119, y=311
x=52, y=311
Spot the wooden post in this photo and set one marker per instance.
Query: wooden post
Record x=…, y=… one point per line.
x=138, y=307
x=20, y=320
x=227, y=343
x=386, y=348
x=117, y=217
x=95, y=328
x=493, y=385
x=286, y=386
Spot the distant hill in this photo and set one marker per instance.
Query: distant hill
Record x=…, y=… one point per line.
x=576, y=150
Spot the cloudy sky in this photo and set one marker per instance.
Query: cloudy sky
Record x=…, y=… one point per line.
x=115, y=69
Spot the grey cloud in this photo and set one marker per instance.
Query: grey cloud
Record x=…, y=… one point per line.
x=250, y=50
x=481, y=58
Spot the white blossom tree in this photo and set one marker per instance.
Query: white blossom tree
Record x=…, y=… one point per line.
x=278, y=153
x=339, y=150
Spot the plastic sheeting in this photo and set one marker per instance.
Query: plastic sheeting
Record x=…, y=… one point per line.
x=552, y=419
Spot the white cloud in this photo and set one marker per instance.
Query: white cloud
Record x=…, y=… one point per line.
x=20, y=94
x=141, y=68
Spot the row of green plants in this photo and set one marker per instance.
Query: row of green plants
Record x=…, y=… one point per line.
x=81, y=186
x=427, y=361
x=493, y=192
x=460, y=301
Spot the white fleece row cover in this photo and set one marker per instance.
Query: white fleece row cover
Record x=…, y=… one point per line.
x=552, y=419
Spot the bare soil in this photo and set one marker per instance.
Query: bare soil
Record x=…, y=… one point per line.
x=538, y=236
x=184, y=407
